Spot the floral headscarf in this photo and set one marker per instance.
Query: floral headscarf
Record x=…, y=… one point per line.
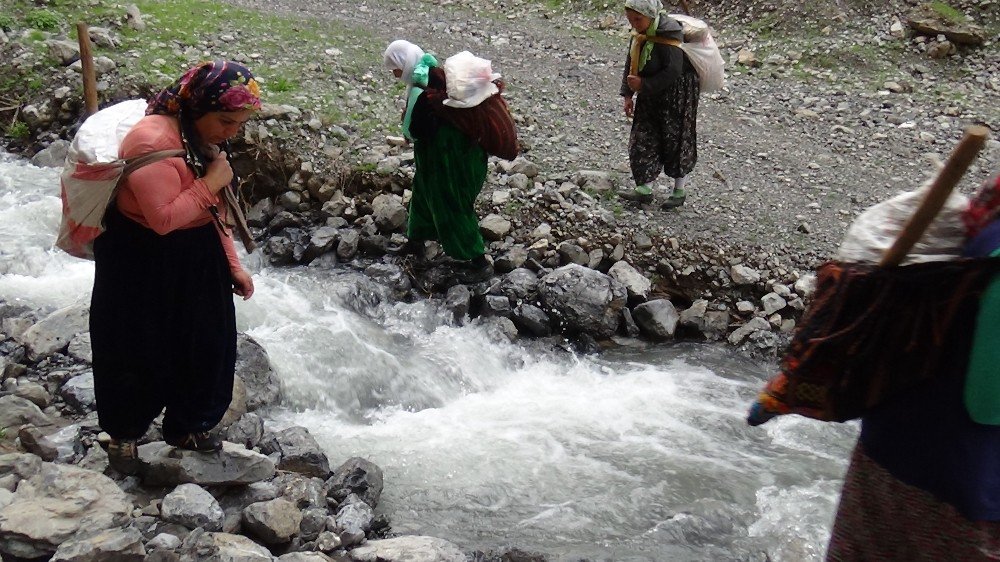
x=211, y=86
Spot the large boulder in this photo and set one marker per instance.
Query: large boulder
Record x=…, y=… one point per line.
x=926, y=19
x=583, y=300
x=273, y=522
x=58, y=504
x=224, y=547
x=192, y=506
x=164, y=465
x=356, y=476
x=263, y=387
x=299, y=452
x=657, y=318
x=16, y=411
x=55, y=331
x=117, y=545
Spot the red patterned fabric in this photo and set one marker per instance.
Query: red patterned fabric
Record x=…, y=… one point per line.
x=871, y=333
x=488, y=124
x=983, y=209
x=881, y=518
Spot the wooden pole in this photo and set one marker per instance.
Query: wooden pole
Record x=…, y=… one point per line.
x=958, y=162
x=685, y=7
x=89, y=76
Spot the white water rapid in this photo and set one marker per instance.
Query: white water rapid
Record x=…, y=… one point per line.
x=635, y=455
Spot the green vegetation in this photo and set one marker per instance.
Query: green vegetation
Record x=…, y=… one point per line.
x=280, y=84
x=947, y=12
x=18, y=130
x=6, y=22
x=43, y=19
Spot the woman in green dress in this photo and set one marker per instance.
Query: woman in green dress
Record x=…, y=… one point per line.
x=450, y=168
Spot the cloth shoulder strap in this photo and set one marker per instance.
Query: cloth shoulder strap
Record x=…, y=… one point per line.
x=136, y=162
x=638, y=41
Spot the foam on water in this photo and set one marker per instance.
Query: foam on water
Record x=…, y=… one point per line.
x=635, y=455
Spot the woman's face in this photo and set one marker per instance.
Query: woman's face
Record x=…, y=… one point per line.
x=397, y=72
x=639, y=22
x=217, y=127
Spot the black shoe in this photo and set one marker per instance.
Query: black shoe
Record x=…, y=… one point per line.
x=475, y=270
x=123, y=455
x=203, y=442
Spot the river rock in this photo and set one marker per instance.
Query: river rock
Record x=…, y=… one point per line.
x=517, y=285
x=354, y=518
x=16, y=411
x=694, y=316
x=225, y=547
x=299, y=452
x=55, y=331
x=494, y=227
x=391, y=276
x=304, y=557
x=513, y=259
x=78, y=392
x=34, y=392
x=637, y=285
x=356, y=476
x=408, y=549
x=58, y=504
x=79, y=348
x=253, y=366
x=52, y=156
x=33, y=440
x=458, y=300
x=191, y=506
x=572, y=253
x=495, y=305
x=594, y=180
x=247, y=431
x=806, y=285
x=532, y=320
x=164, y=465
x=321, y=241
x=273, y=522
x=657, y=318
x=389, y=212
x=756, y=324
x=743, y=275
x=583, y=300
x=115, y=545
x=772, y=303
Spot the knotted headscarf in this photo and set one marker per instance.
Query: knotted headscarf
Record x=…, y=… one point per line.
x=415, y=65
x=211, y=86
x=651, y=9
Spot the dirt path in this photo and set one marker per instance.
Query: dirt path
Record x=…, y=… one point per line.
x=788, y=154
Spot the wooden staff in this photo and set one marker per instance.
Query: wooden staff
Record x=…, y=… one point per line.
x=685, y=7
x=89, y=76
x=958, y=162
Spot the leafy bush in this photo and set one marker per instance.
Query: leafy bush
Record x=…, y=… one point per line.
x=43, y=19
x=18, y=130
x=6, y=22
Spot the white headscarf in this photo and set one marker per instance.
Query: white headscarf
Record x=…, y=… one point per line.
x=648, y=8
x=403, y=55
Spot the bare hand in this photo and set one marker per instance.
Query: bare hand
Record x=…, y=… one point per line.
x=219, y=173
x=243, y=284
x=629, y=107
x=634, y=82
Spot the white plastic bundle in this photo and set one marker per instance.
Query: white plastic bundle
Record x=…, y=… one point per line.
x=876, y=229
x=703, y=52
x=470, y=80
x=101, y=134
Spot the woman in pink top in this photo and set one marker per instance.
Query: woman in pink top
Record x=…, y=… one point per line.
x=162, y=322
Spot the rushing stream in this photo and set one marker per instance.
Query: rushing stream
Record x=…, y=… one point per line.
x=639, y=454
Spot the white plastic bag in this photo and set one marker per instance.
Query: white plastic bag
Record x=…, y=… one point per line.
x=93, y=171
x=878, y=227
x=703, y=52
x=101, y=134
x=470, y=80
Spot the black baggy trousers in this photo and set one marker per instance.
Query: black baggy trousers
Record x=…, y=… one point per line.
x=163, y=328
